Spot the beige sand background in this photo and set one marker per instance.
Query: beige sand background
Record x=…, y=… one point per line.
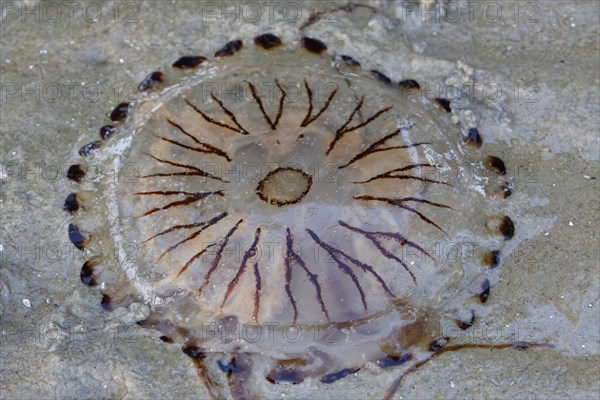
x=64, y=65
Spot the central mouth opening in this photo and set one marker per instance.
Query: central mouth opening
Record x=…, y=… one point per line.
x=284, y=186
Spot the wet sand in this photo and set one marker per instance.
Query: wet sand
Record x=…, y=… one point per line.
x=534, y=74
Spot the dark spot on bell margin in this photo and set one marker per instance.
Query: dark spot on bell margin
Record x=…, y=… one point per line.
x=394, y=361
x=75, y=173
x=507, y=228
x=106, y=300
x=350, y=61
x=464, y=325
x=492, y=259
x=485, y=291
x=313, y=45
x=437, y=344
x=194, y=352
x=77, y=237
x=292, y=377
x=473, y=138
x=267, y=41
x=88, y=148
x=187, y=62
x=504, y=189
x=444, y=103
x=71, y=203
x=230, y=48
x=507, y=189
x=166, y=339
x=287, y=371
x=152, y=81
x=336, y=376
x=107, y=131
x=87, y=273
x=495, y=164
x=409, y=84
x=381, y=77
x=230, y=368
x=120, y=112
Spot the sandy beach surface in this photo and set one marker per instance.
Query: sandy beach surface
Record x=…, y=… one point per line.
x=534, y=70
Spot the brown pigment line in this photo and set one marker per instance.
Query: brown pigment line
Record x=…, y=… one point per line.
x=217, y=259
x=342, y=130
x=306, y=119
x=309, y=119
x=251, y=252
x=209, y=148
x=371, y=236
x=342, y=266
x=417, y=200
x=260, y=105
x=372, y=147
x=202, y=174
x=398, y=203
x=213, y=121
x=361, y=265
x=256, y=292
x=189, y=226
x=184, y=202
x=180, y=129
x=402, y=177
x=372, y=150
x=389, y=174
x=194, y=258
x=291, y=255
x=198, y=171
x=288, y=275
x=281, y=100
x=368, y=121
x=173, y=193
x=184, y=146
x=229, y=114
x=389, y=235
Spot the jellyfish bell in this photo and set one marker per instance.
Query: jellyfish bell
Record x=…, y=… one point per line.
x=290, y=220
